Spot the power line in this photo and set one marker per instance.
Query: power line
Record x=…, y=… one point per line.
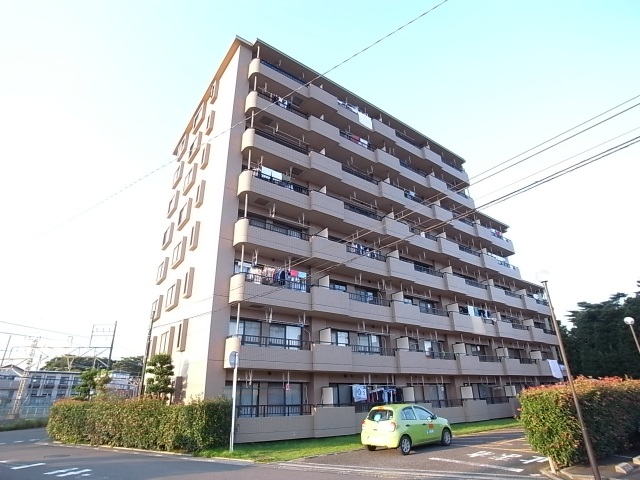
x=496, y=201
x=42, y=329
x=242, y=122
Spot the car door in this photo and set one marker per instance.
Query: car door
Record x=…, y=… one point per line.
x=430, y=428
x=412, y=426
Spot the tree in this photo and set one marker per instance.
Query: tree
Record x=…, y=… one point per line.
x=132, y=365
x=68, y=363
x=600, y=344
x=92, y=382
x=160, y=366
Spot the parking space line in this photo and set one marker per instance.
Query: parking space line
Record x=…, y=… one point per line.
x=472, y=464
x=27, y=466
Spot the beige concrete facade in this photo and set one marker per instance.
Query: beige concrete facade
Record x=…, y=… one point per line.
x=345, y=248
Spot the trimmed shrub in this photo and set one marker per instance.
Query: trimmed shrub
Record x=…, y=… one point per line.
x=610, y=413
x=142, y=423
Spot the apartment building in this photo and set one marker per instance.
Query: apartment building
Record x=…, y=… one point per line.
x=343, y=248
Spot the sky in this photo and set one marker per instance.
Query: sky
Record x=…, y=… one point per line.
x=94, y=96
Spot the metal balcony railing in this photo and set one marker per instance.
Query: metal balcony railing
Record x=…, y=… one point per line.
x=291, y=284
x=359, y=297
x=275, y=342
x=254, y=222
x=283, y=72
x=495, y=400
x=433, y=311
x=452, y=165
x=357, y=140
x=407, y=139
x=365, y=252
x=420, y=233
x=527, y=361
x=359, y=174
x=440, y=355
x=373, y=350
x=473, y=283
x=509, y=293
x=489, y=358
x=362, y=211
x=466, y=249
x=429, y=271
x=281, y=183
x=273, y=410
x=284, y=139
x=281, y=102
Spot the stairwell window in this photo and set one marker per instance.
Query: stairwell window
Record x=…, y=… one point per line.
x=178, y=253
x=173, y=296
x=193, y=236
x=200, y=194
x=167, y=237
x=173, y=204
x=161, y=274
x=189, y=179
x=185, y=214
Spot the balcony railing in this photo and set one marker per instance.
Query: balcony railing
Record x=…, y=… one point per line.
x=473, y=283
x=273, y=410
x=489, y=358
x=450, y=403
x=283, y=72
x=433, y=311
x=429, y=271
x=455, y=189
x=549, y=331
x=275, y=342
x=413, y=196
x=509, y=293
x=407, y=139
x=281, y=183
x=466, y=249
x=420, y=233
x=284, y=139
x=495, y=400
x=365, y=252
x=508, y=318
x=254, y=222
x=281, y=102
x=527, y=361
x=359, y=297
x=452, y=165
x=498, y=234
x=362, y=211
x=413, y=169
x=373, y=350
x=296, y=284
x=440, y=355
x=519, y=326
x=359, y=174
x=356, y=139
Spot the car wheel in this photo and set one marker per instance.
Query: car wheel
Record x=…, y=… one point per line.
x=446, y=437
x=405, y=445
x=371, y=448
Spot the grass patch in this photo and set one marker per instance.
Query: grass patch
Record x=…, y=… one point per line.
x=23, y=424
x=285, y=450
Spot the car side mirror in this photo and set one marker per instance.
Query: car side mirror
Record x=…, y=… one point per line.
x=434, y=416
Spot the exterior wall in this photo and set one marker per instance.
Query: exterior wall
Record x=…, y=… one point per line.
x=315, y=180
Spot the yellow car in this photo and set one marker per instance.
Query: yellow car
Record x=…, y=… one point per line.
x=403, y=425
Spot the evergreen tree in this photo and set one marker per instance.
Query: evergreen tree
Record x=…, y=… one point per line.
x=132, y=365
x=73, y=363
x=600, y=344
x=92, y=382
x=159, y=385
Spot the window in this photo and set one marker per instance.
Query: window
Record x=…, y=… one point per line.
x=414, y=345
x=173, y=204
x=422, y=413
x=182, y=146
x=435, y=395
x=334, y=285
x=181, y=340
x=185, y=214
x=213, y=91
x=198, y=117
x=339, y=337
x=193, y=236
x=187, y=287
x=156, y=308
x=284, y=399
x=167, y=237
x=178, y=253
x=246, y=398
x=177, y=175
x=173, y=295
x=408, y=414
x=210, y=119
x=189, y=179
x=200, y=194
x=342, y=394
x=162, y=271
x=194, y=147
x=249, y=331
x=285, y=336
x=476, y=350
x=369, y=343
x=204, y=156
x=164, y=338
x=241, y=267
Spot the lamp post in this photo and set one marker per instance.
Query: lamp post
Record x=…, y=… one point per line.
x=543, y=277
x=630, y=321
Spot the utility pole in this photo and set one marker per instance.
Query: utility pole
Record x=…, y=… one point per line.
x=17, y=401
x=4, y=354
x=113, y=337
x=146, y=355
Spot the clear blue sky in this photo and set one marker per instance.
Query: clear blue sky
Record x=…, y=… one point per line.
x=93, y=95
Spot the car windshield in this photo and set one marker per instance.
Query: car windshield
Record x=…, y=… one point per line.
x=380, y=415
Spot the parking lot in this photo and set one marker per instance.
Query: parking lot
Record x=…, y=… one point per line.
x=498, y=454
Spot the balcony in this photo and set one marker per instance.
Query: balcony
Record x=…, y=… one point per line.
x=368, y=299
x=514, y=330
x=388, y=161
x=506, y=297
x=471, y=324
x=271, y=353
x=500, y=266
x=357, y=146
x=267, y=144
x=288, y=294
x=395, y=228
x=408, y=314
x=330, y=301
x=371, y=308
x=455, y=170
x=361, y=216
x=480, y=365
x=360, y=174
x=266, y=103
x=257, y=232
x=284, y=139
x=409, y=144
x=429, y=277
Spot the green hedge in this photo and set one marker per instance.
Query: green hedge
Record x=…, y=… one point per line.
x=142, y=423
x=609, y=408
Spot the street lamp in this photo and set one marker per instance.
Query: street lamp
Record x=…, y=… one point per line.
x=544, y=278
x=630, y=321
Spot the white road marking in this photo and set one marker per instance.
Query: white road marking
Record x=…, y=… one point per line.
x=60, y=471
x=497, y=467
x=75, y=473
x=19, y=441
x=2, y=443
x=27, y=466
x=535, y=459
x=34, y=439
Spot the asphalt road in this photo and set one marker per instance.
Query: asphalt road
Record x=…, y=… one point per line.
x=29, y=455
